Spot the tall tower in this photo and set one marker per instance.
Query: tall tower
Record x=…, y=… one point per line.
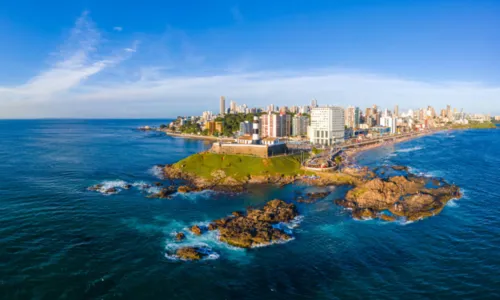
x=255, y=135
x=222, y=105
x=396, y=111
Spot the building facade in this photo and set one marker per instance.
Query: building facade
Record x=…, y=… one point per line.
x=299, y=125
x=352, y=117
x=275, y=125
x=222, y=105
x=327, y=125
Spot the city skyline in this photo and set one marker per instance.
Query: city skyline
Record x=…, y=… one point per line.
x=76, y=62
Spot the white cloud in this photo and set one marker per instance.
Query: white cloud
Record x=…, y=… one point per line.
x=152, y=89
x=117, y=28
x=76, y=61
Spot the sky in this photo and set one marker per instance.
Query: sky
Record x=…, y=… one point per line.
x=161, y=59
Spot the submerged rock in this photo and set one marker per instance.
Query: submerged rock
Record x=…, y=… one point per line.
x=158, y=184
x=111, y=190
x=363, y=214
x=96, y=187
x=313, y=197
x=400, y=168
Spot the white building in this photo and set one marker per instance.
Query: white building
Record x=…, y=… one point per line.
x=387, y=121
x=327, y=125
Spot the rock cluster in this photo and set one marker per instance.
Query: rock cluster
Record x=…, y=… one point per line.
x=191, y=253
x=256, y=227
x=164, y=193
x=401, y=196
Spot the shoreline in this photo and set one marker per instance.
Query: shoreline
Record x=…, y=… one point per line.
x=351, y=154
x=196, y=137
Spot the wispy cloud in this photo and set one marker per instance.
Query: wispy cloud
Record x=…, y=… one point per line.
x=156, y=88
x=117, y=28
x=75, y=62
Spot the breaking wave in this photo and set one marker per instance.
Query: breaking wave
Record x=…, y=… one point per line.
x=157, y=171
x=409, y=149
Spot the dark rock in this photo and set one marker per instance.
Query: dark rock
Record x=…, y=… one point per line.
x=363, y=214
x=196, y=230
x=127, y=186
x=95, y=187
x=180, y=236
x=400, y=168
x=183, y=189
x=256, y=228
x=164, y=193
x=191, y=253
x=237, y=213
x=387, y=218
x=212, y=226
x=158, y=184
x=111, y=190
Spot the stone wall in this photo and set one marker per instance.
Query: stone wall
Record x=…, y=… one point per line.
x=253, y=150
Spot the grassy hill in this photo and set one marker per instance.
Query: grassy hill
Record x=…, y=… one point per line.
x=239, y=167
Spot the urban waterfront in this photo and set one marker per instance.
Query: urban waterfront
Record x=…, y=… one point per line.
x=59, y=240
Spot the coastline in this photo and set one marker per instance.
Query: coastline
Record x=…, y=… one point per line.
x=195, y=137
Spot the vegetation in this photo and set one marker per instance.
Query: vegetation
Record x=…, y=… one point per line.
x=239, y=167
x=162, y=126
x=190, y=127
x=338, y=160
x=232, y=122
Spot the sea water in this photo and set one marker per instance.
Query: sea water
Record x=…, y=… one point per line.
x=60, y=241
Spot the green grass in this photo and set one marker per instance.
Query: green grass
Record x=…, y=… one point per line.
x=239, y=167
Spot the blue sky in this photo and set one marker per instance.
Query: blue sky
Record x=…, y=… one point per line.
x=165, y=58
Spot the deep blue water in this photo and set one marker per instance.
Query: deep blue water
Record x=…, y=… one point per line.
x=60, y=241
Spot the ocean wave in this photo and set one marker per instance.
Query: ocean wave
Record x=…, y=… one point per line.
x=157, y=171
x=409, y=149
x=452, y=203
x=105, y=187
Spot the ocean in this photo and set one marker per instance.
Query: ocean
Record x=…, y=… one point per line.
x=60, y=241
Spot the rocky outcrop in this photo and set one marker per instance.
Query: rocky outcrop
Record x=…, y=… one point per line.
x=183, y=189
x=400, y=168
x=180, y=236
x=256, y=227
x=191, y=253
x=403, y=196
x=164, y=193
x=196, y=230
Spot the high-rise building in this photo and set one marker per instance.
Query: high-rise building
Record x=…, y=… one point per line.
x=448, y=111
x=222, y=105
x=232, y=106
x=396, y=111
x=299, y=125
x=388, y=121
x=352, y=117
x=275, y=125
x=327, y=125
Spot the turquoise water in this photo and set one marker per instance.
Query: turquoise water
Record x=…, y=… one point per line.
x=60, y=241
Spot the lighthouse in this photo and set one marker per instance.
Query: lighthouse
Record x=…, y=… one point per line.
x=255, y=135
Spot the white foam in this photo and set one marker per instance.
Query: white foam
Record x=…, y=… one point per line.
x=452, y=203
x=157, y=171
x=119, y=185
x=409, y=149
